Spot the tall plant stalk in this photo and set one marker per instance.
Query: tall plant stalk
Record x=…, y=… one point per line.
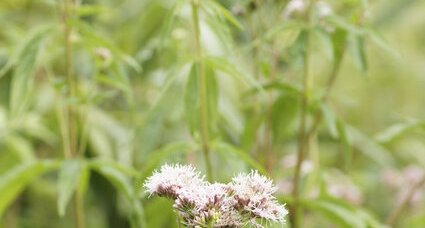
x=70, y=78
x=71, y=118
x=303, y=140
x=306, y=136
x=203, y=89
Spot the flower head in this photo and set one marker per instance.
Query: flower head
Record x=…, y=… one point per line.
x=202, y=204
x=254, y=195
x=171, y=178
x=294, y=7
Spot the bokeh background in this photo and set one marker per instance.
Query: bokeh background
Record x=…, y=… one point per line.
x=134, y=108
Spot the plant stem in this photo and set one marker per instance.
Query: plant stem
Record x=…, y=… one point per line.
x=306, y=136
x=70, y=76
x=395, y=214
x=71, y=150
x=302, y=143
x=303, y=140
x=79, y=209
x=203, y=89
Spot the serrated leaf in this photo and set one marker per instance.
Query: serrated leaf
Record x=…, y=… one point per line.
x=21, y=80
x=14, y=181
x=71, y=175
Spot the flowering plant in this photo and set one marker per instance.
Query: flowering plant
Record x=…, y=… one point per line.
x=246, y=200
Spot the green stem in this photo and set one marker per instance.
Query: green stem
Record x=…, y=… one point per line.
x=306, y=137
x=303, y=140
x=70, y=77
x=303, y=144
x=71, y=150
x=203, y=89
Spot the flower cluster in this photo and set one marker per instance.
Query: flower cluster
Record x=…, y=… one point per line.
x=247, y=200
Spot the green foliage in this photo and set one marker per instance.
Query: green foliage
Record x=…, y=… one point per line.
x=99, y=94
x=15, y=180
x=72, y=176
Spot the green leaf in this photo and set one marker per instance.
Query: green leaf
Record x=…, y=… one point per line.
x=397, y=130
x=342, y=213
x=213, y=96
x=369, y=147
x=73, y=174
x=191, y=99
x=21, y=80
x=330, y=119
x=340, y=23
x=283, y=115
x=115, y=176
x=339, y=41
x=358, y=52
x=224, y=148
x=282, y=87
x=223, y=65
x=379, y=41
x=287, y=33
x=249, y=134
x=221, y=11
x=21, y=147
x=346, y=143
x=129, y=171
x=325, y=41
x=14, y=181
x=122, y=183
x=338, y=213
x=90, y=10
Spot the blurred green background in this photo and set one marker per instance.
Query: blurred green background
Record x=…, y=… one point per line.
x=134, y=106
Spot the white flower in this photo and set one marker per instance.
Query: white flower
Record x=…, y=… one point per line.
x=294, y=6
x=171, y=178
x=245, y=200
x=324, y=9
x=254, y=194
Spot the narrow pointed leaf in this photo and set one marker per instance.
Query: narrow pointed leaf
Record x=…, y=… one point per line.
x=70, y=176
x=14, y=181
